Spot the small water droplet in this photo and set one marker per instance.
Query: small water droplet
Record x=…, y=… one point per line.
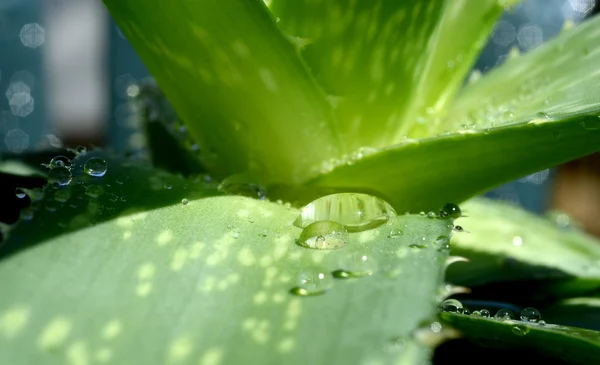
x=60, y=161
x=119, y=181
x=94, y=190
x=95, y=166
x=530, y=315
x=465, y=311
x=431, y=215
x=459, y=229
x=323, y=235
x=184, y=201
x=451, y=305
x=435, y=327
x=262, y=233
x=443, y=241
x=312, y=282
x=168, y=186
x=485, y=313
x=422, y=213
x=476, y=314
x=419, y=242
x=19, y=193
x=59, y=176
x=235, y=234
x=394, y=233
x=542, y=115
x=541, y=322
x=356, y=265
x=356, y=212
x=520, y=330
x=504, y=314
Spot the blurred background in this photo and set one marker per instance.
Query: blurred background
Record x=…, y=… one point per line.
x=68, y=76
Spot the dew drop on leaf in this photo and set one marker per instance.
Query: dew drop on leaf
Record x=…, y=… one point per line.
x=314, y=281
x=356, y=212
x=356, y=265
x=184, y=201
x=59, y=176
x=59, y=161
x=450, y=210
x=530, y=315
x=520, y=330
x=323, y=235
x=504, y=314
x=451, y=305
x=95, y=166
x=485, y=313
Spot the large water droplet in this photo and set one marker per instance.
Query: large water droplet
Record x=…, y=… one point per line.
x=451, y=305
x=530, y=315
x=60, y=176
x=504, y=314
x=356, y=265
x=450, y=210
x=356, y=212
x=323, y=235
x=312, y=282
x=95, y=166
x=59, y=161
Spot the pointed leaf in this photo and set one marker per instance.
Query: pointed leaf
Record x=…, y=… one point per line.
x=208, y=281
x=236, y=82
x=560, y=79
x=422, y=175
x=580, y=312
x=388, y=63
x=571, y=344
x=508, y=244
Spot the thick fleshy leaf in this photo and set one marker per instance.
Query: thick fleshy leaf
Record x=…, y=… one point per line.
x=571, y=344
x=236, y=82
x=425, y=174
x=507, y=244
x=580, y=312
x=558, y=80
x=207, y=280
x=388, y=64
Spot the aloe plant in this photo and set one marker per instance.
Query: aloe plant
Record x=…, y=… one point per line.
x=268, y=231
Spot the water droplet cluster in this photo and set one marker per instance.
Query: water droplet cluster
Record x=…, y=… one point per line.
x=527, y=315
x=337, y=222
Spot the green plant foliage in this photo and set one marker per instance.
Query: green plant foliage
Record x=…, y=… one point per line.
x=556, y=81
x=508, y=244
x=189, y=281
x=424, y=174
x=236, y=81
x=388, y=64
x=574, y=345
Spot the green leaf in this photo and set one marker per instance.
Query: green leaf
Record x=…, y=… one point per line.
x=574, y=345
x=236, y=81
x=560, y=79
x=388, y=64
x=425, y=174
x=580, y=312
x=508, y=244
x=156, y=280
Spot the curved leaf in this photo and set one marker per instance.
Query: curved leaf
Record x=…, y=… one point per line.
x=388, y=64
x=236, y=82
x=575, y=345
x=425, y=174
x=508, y=244
x=560, y=79
x=209, y=282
